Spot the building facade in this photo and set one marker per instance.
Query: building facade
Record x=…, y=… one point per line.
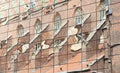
x=59, y=36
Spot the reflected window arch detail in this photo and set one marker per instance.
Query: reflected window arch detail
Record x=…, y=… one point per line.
x=57, y=21
x=78, y=16
x=20, y=30
x=102, y=38
x=106, y=2
x=38, y=26
x=102, y=10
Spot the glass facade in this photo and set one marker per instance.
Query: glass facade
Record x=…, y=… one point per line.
x=59, y=36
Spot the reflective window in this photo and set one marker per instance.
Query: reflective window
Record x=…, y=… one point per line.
x=20, y=30
x=78, y=16
x=57, y=22
x=38, y=26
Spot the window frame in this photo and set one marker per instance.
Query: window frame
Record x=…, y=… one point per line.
x=20, y=30
x=57, y=22
x=78, y=16
x=102, y=11
x=102, y=38
x=38, y=26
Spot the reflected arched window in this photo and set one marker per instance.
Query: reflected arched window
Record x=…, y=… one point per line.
x=102, y=10
x=20, y=30
x=106, y=2
x=57, y=21
x=102, y=38
x=33, y=3
x=38, y=26
x=78, y=16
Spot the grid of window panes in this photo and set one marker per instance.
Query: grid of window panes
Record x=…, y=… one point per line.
x=59, y=36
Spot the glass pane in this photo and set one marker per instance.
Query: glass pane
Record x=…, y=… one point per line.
x=57, y=22
x=38, y=27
